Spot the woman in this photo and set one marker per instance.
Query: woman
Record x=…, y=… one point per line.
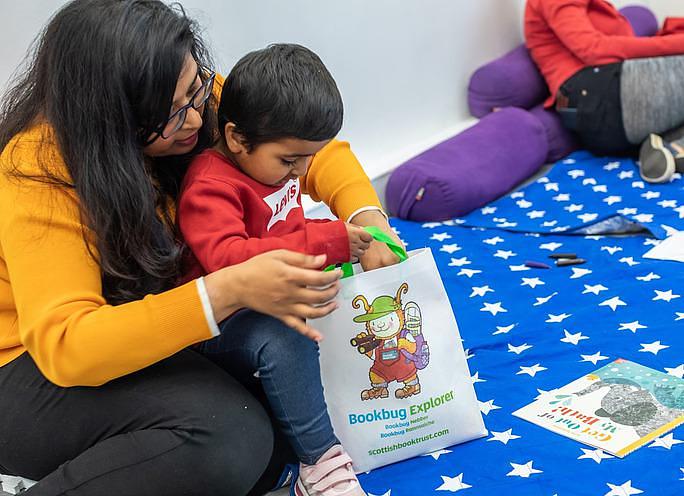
x=100, y=392
x=616, y=91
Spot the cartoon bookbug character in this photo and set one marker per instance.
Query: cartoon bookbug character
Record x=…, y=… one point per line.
x=394, y=341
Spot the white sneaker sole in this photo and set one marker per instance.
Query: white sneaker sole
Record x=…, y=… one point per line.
x=656, y=152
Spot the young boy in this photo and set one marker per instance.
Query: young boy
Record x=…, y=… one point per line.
x=279, y=106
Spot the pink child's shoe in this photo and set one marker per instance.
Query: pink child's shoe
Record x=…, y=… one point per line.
x=332, y=475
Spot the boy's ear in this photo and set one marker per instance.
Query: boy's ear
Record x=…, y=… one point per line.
x=234, y=140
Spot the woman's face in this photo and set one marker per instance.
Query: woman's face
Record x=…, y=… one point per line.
x=185, y=139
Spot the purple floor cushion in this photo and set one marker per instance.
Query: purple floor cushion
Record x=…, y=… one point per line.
x=470, y=169
x=561, y=141
x=643, y=21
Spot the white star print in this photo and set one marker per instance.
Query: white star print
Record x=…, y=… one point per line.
x=450, y=248
x=440, y=236
x=459, y=262
x=518, y=349
x=652, y=242
x=668, y=203
x=493, y=308
x=518, y=268
x=596, y=357
x=452, y=484
x=627, y=211
x=487, y=406
x=454, y=222
x=577, y=273
x=388, y=493
x=563, y=197
x=632, y=326
x=542, y=180
x=503, y=329
x=665, y=295
x=679, y=315
x=610, y=200
x=550, y=246
x=546, y=395
x=625, y=489
x=587, y=217
x=475, y=378
x=523, y=470
x=682, y=469
x=518, y=194
x=557, y=318
x=677, y=371
x=531, y=371
x=468, y=272
x=638, y=184
x=505, y=254
x=653, y=347
x=650, y=195
x=524, y=203
x=629, y=261
x=596, y=454
x=589, y=180
x=436, y=454
x=666, y=442
x=541, y=301
x=493, y=241
x=611, y=249
x=551, y=186
x=488, y=210
x=481, y=291
x=601, y=188
x=611, y=166
x=532, y=282
x=649, y=277
x=576, y=173
x=505, y=225
x=680, y=211
x=573, y=208
x=644, y=218
x=613, y=303
x=536, y=214
x=431, y=225
x=503, y=437
x=626, y=175
x=573, y=338
x=549, y=223
x=596, y=289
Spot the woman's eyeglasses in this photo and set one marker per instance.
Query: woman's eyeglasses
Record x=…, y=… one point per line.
x=177, y=119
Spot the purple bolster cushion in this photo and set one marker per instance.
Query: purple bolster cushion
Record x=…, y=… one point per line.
x=561, y=141
x=643, y=21
x=470, y=169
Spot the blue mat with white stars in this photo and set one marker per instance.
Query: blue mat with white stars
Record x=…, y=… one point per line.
x=581, y=191
x=528, y=331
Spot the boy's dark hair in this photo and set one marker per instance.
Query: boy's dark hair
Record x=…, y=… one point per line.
x=282, y=91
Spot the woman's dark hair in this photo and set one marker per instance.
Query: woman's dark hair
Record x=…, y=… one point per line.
x=102, y=75
x=282, y=91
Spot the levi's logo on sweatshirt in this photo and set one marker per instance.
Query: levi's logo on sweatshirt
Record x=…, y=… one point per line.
x=282, y=201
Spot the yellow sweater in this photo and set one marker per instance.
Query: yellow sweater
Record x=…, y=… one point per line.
x=51, y=302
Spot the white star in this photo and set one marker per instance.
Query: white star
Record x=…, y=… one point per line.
x=611, y=249
x=574, y=208
x=532, y=282
x=638, y=184
x=487, y=406
x=589, y=180
x=611, y=166
x=668, y=203
x=629, y=261
x=677, y=371
x=454, y=222
x=493, y=241
x=388, y=493
x=666, y=442
x=563, y=197
x=475, y=378
x=601, y=188
x=627, y=175
x=481, y=291
x=680, y=211
x=523, y=470
x=503, y=329
x=440, y=236
x=613, y=303
x=518, y=194
x=548, y=223
x=652, y=242
x=612, y=199
x=653, y=347
x=488, y=210
x=542, y=180
x=573, y=338
x=436, y=454
x=531, y=371
x=504, y=436
x=542, y=300
x=459, y=262
x=576, y=173
x=524, y=203
x=679, y=315
x=594, y=289
x=665, y=295
x=550, y=246
x=505, y=254
x=650, y=195
x=551, y=186
x=493, y=308
x=546, y=395
x=557, y=318
x=431, y=225
x=627, y=211
x=625, y=489
x=587, y=217
x=643, y=218
x=518, y=349
x=468, y=272
x=452, y=484
x=682, y=469
x=631, y=326
x=450, y=248
x=649, y=277
x=596, y=454
x=596, y=357
x=577, y=273
x=506, y=225
x=536, y=214
x=518, y=268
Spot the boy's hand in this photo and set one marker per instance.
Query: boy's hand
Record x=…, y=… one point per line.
x=359, y=240
x=378, y=255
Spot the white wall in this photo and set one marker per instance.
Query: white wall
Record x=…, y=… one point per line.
x=402, y=65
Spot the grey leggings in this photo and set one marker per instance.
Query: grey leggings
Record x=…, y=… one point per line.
x=652, y=96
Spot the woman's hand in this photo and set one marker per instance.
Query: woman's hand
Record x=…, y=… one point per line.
x=378, y=254
x=282, y=284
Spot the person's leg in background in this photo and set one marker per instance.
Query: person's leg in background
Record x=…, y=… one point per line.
x=652, y=98
x=181, y=427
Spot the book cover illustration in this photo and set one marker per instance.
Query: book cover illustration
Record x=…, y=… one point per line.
x=618, y=408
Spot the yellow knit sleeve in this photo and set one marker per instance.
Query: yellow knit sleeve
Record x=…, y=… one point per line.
x=72, y=334
x=337, y=178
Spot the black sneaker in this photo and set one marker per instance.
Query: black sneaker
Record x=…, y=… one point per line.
x=656, y=160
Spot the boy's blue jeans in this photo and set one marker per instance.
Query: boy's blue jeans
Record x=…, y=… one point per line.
x=289, y=372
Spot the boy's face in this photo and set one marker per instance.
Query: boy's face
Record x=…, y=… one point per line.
x=277, y=162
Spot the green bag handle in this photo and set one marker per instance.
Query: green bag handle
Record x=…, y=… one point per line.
x=379, y=235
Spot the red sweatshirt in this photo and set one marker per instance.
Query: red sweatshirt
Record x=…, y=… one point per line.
x=565, y=36
x=226, y=217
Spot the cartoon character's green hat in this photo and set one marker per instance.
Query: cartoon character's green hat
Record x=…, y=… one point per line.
x=381, y=306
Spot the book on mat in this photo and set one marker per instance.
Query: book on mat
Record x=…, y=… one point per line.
x=617, y=408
